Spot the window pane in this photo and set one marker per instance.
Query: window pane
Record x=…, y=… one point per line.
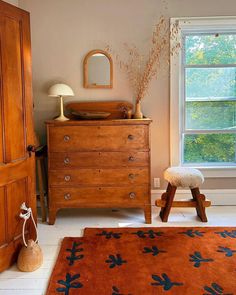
x=210, y=115
x=210, y=49
x=210, y=148
x=206, y=83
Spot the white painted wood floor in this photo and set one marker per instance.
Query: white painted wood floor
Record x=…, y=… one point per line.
x=72, y=223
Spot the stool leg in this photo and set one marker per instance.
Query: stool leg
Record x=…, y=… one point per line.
x=169, y=197
x=41, y=191
x=164, y=195
x=45, y=179
x=45, y=174
x=199, y=198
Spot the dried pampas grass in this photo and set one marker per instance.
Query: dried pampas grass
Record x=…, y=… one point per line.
x=141, y=69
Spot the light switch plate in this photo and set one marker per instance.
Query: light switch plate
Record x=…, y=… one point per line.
x=157, y=182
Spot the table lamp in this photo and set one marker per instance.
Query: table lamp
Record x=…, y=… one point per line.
x=60, y=90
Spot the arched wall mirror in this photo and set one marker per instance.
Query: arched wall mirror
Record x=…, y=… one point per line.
x=98, y=70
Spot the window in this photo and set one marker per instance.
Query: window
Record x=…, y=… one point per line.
x=203, y=94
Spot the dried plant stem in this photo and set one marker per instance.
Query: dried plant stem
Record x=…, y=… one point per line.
x=140, y=70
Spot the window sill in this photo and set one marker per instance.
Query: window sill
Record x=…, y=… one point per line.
x=218, y=171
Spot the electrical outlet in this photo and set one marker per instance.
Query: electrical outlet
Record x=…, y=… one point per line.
x=157, y=182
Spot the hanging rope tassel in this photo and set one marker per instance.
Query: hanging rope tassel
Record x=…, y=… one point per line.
x=27, y=216
x=30, y=257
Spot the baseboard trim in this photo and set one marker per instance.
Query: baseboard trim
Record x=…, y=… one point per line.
x=218, y=197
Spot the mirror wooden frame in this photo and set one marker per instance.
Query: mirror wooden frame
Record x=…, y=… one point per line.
x=85, y=69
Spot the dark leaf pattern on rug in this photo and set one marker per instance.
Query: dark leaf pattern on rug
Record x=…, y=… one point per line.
x=148, y=234
x=69, y=283
x=228, y=252
x=192, y=233
x=110, y=234
x=116, y=291
x=198, y=259
x=215, y=289
x=115, y=260
x=73, y=251
x=227, y=234
x=164, y=281
x=154, y=250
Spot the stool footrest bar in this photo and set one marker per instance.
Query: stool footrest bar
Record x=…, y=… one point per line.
x=183, y=203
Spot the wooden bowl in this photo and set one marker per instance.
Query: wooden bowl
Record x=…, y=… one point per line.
x=91, y=115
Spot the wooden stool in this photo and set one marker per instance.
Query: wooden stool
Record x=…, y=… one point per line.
x=40, y=156
x=183, y=177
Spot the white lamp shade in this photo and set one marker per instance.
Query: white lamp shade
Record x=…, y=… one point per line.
x=60, y=90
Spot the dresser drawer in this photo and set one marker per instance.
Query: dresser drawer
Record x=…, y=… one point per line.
x=96, y=177
x=98, y=159
x=100, y=197
x=98, y=138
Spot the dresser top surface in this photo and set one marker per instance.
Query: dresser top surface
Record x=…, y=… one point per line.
x=145, y=121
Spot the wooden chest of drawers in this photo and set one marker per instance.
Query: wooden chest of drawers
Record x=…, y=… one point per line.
x=102, y=163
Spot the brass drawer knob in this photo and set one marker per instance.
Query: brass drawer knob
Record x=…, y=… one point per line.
x=131, y=159
x=130, y=137
x=132, y=195
x=67, y=178
x=131, y=176
x=66, y=138
x=66, y=160
x=67, y=196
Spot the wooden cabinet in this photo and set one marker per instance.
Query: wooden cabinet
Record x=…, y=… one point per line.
x=102, y=163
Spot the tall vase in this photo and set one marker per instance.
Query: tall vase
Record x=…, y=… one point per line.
x=138, y=113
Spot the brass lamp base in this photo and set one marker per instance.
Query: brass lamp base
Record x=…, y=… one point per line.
x=62, y=117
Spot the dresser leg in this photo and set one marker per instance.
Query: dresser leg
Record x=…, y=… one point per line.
x=52, y=216
x=148, y=214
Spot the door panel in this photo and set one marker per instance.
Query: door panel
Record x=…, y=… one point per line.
x=2, y=217
x=17, y=168
x=12, y=90
x=16, y=195
x=1, y=125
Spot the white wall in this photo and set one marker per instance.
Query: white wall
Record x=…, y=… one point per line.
x=13, y=2
x=63, y=31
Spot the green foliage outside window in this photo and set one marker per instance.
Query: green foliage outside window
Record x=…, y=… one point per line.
x=209, y=148
x=210, y=98
x=210, y=49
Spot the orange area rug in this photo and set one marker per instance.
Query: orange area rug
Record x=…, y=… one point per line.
x=147, y=261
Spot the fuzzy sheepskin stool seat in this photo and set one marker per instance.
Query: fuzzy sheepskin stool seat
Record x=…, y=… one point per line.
x=183, y=177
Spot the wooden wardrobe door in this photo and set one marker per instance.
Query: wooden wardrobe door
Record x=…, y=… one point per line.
x=17, y=179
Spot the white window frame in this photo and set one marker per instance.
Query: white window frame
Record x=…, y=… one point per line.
x=191, y=24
